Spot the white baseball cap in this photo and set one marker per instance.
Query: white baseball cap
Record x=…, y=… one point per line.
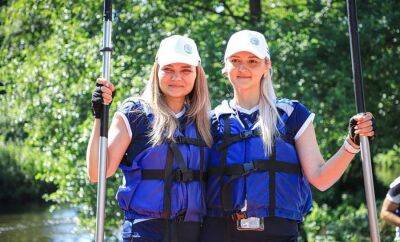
x=247, y=40
x=177, y=49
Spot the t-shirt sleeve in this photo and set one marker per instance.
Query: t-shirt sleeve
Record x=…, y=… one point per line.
x=394, y=191
x=214, y=126
x=130, y=111
x=299, y=119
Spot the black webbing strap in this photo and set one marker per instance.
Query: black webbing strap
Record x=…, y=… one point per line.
x=236, y=171
x=202, y=165
x=227, y=191
x=202, y=169
x=272, y=184
x=182, y=174
x=173, y=154
x=226, y=201
x=168, y=183
x=178, y=157
x=227, y=132
x=228, y=228
x=190, y=141
x=230, y=139
x=256, y=166
x=167, y=194
x=178, y=175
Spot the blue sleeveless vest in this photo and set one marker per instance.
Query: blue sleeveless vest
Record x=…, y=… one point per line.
x=163, y=181
x=240, y=174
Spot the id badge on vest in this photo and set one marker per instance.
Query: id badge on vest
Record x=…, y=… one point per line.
x=251, y=223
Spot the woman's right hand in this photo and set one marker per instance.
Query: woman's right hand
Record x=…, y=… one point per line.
x=362, y=124
x=102, y=94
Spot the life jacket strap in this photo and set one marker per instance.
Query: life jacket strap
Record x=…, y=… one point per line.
x=178, y=175
x=190, y=141
x=168, y=169
x=226, y=201
x=182, y=174
x=228, y=139
x=255, y=166
x=235, y=171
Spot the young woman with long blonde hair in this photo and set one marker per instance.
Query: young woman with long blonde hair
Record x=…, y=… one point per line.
x=265, y=153
x=159, y=141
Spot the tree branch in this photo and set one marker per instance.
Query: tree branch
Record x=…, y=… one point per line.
x=212, y=10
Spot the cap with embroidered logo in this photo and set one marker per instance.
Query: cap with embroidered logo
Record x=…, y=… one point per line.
x=250, y=41
x=177, y=49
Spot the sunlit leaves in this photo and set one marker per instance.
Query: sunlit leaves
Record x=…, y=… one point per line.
x=49, y=60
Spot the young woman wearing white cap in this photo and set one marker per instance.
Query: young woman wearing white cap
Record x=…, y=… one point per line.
x=159, y=141
x=265, y=153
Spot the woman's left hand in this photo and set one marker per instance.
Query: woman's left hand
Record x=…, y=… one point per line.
x=361, y=124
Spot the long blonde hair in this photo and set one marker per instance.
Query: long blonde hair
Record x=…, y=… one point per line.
x=269, y=115
x=165, y=123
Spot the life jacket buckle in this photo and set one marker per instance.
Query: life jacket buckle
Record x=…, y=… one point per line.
x=180, y=217
x=183, y=176
x=246, y=134
x=248, y=167
x=179, y=139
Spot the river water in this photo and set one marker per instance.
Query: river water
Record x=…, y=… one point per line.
x=40, y=225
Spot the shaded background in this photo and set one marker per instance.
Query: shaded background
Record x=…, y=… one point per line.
x=49, y=60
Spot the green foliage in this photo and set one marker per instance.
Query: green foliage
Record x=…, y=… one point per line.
x=342, y=223
x=18, y=181
x=388, y=167
x=49, y=61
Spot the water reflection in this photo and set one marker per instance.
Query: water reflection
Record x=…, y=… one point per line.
x=38, y=224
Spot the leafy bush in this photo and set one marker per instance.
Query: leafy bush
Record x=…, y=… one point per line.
x=388, y=165
x=343, y=223
x=49, y=61
x=18, y=181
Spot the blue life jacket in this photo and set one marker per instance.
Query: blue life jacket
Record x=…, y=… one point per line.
x=239, y=171
x=162, y=181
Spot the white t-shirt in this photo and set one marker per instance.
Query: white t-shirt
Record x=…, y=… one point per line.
x=393, y=195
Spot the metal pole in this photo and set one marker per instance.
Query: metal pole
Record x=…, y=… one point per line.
x=359, y=96
x=101, y=186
